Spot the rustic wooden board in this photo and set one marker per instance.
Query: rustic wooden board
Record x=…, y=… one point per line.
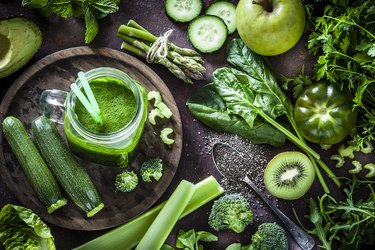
x=58, y=71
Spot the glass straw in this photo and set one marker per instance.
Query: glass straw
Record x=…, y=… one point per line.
x=88, y=91
x=85, y=102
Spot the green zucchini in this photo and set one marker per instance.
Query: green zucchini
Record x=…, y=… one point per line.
x=71, y=176
x=33, y=165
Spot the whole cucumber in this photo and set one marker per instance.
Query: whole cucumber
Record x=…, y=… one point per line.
x=33, y=165
x=71, y=176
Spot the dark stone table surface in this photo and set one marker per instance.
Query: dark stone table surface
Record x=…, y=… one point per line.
x=61, y=34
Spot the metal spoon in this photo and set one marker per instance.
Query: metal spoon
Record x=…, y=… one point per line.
x=304, y=240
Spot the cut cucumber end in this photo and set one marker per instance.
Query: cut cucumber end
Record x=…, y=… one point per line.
x=94, y=211
x=183, y=10
x=60, y=203
x=207, y=33
x=226, y=11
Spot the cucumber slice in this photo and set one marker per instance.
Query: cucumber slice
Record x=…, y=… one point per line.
x=183, y=10
x=226, y=11
x=207, y=33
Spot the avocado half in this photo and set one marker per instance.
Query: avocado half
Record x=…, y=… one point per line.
x=20, y=39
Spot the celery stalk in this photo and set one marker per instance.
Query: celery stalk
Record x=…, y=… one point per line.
x=163, y=224
x=127, y=236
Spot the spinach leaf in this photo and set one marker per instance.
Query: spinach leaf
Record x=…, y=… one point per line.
x=233, y=87
x=241, y=98
x=263, y=83
x=241, y=57
x=209, y=108
x=246, y=96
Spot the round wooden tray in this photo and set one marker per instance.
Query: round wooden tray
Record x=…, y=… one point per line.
x=58, y=71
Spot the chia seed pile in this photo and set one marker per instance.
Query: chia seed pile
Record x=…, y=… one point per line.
x=234, y=163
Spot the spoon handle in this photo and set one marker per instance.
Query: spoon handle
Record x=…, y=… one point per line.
x=305, y=241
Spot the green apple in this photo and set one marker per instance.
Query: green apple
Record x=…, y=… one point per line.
x=270, y=27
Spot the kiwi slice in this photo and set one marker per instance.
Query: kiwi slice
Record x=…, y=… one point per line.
x=289, y=175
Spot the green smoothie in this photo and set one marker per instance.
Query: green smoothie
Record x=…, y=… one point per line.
x=116, y=102
x=109, y=144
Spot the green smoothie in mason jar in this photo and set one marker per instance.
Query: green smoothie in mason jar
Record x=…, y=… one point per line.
x=123, y=105
x=117, y=104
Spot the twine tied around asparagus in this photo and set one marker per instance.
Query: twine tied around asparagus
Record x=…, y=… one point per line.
x=159, y=48
x=184, y=63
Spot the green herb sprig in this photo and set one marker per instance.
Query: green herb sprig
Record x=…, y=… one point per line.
x=190, y=240
x=350, y=222
x=89, y=10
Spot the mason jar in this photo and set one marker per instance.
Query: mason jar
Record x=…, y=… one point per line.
x=113, y=149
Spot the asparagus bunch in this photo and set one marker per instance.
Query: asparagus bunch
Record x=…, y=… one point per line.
x=184, y=63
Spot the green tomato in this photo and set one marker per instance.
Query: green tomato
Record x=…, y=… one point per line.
x=323, y=114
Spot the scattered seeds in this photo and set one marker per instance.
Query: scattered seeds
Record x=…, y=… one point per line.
x=249, y=159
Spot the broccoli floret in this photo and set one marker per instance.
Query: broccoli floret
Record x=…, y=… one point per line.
x=126, y=181
x=231, y=211
x=269, y=236
x=152, y=168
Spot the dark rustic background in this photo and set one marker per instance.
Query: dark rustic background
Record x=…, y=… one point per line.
x=61, y=34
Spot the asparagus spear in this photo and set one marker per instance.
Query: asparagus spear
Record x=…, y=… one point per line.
x=172, y=46
x=141, y=49
x=184, y=63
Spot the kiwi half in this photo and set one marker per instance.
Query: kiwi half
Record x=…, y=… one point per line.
x=289, y=175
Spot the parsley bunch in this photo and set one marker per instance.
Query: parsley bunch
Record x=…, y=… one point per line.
x=344, y=38
x=90, y=10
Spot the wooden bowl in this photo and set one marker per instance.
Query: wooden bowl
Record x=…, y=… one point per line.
x=58, y=71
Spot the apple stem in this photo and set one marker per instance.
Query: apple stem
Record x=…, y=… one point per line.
x=267, y=5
